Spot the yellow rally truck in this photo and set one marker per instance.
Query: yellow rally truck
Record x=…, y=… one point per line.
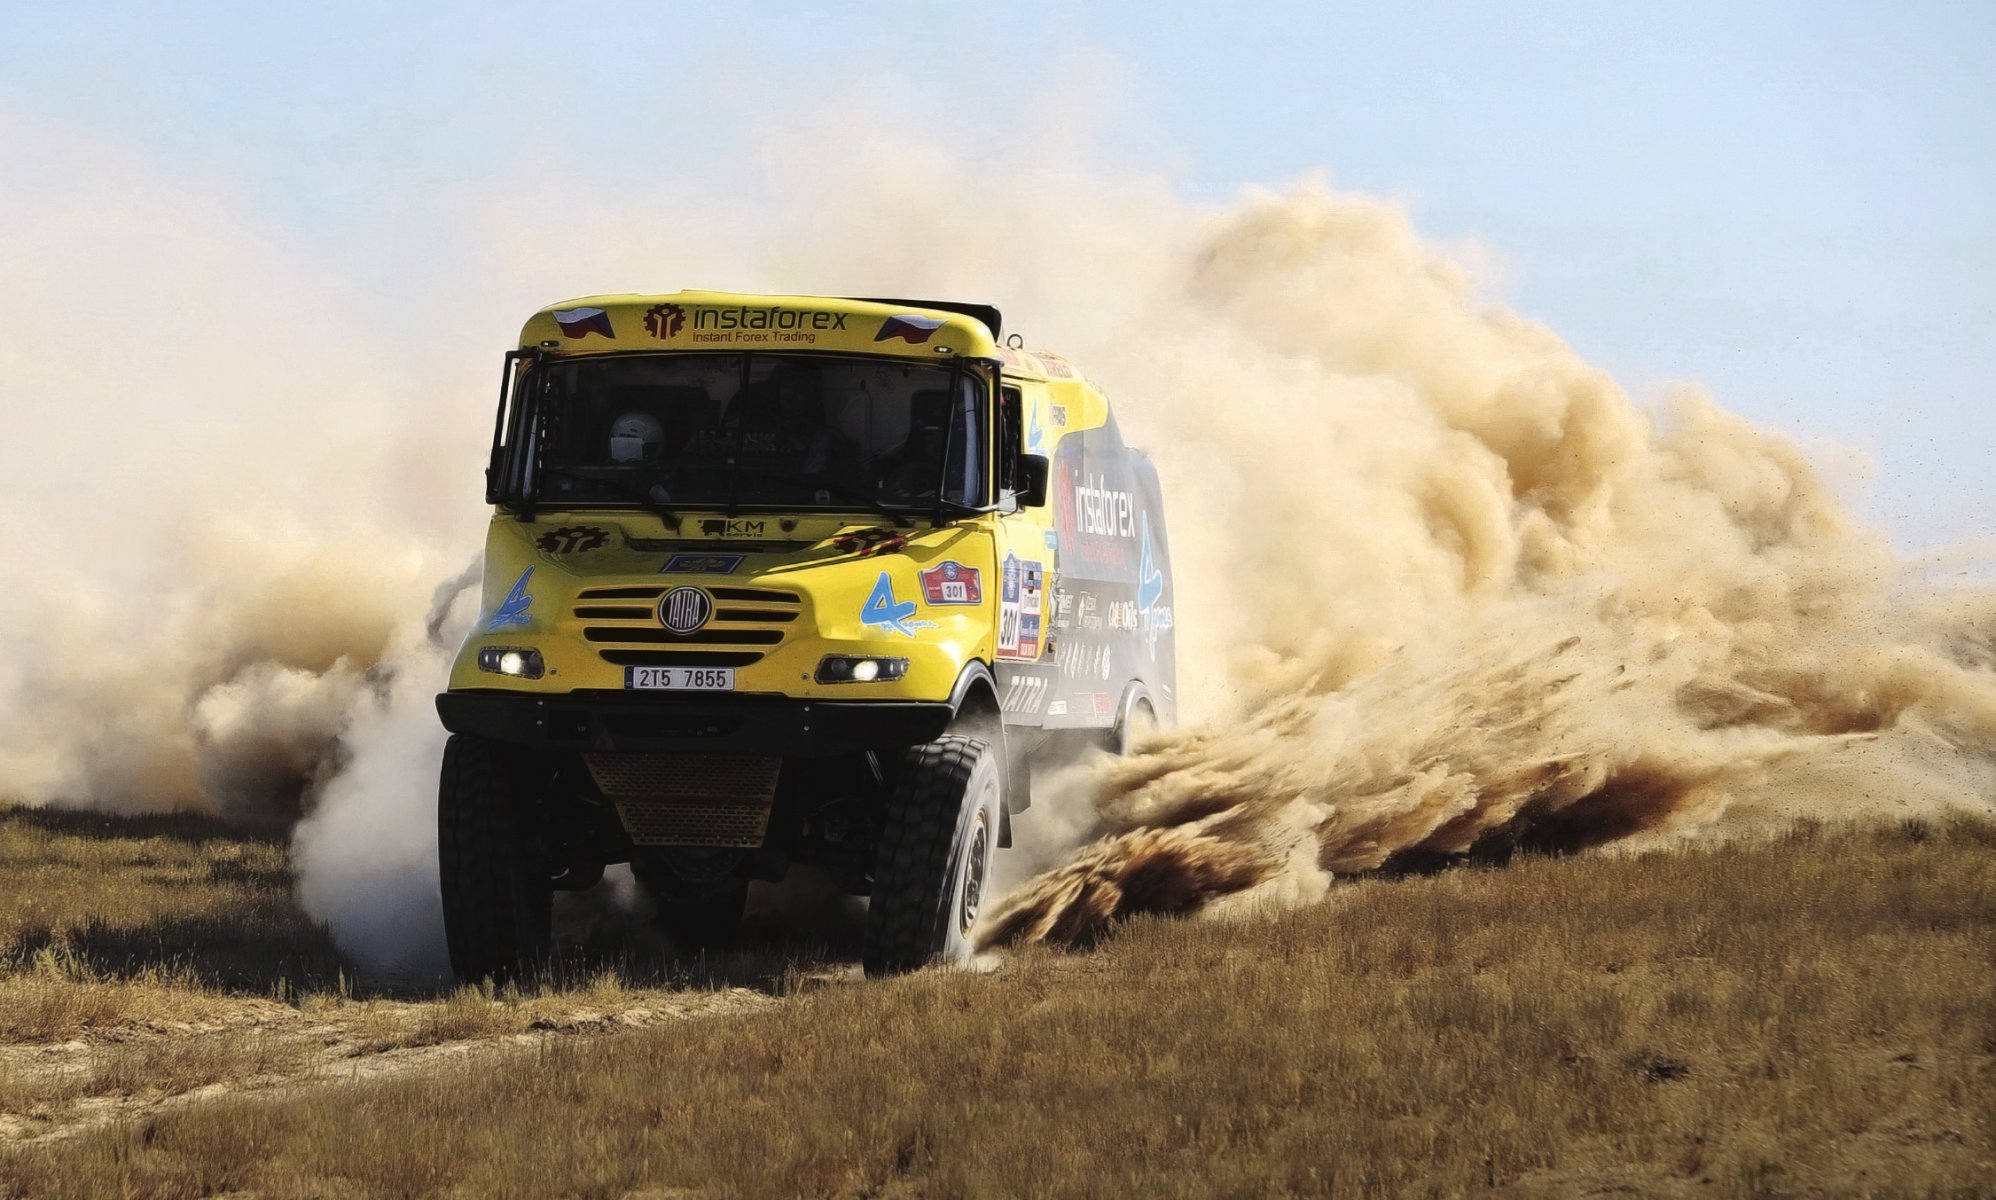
x=779, y=580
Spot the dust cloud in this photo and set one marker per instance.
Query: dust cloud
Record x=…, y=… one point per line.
x=1441, y=587
x=1487, y=602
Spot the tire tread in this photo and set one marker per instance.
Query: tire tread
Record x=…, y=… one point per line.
x=912, y=882
x=489, y=926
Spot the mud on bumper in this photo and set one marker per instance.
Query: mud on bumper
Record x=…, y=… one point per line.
x=619, y=721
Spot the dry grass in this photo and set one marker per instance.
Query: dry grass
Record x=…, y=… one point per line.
x=480, y=1013
x=1807, y=1016
x=108, y=921
x=178, y=1065
x=153, y=961
x=160, y=922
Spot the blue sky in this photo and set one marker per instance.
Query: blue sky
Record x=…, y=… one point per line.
x=1792, y=204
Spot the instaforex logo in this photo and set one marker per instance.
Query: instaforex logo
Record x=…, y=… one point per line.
x=772, y=324
x=1104, y=511
x=664, y=320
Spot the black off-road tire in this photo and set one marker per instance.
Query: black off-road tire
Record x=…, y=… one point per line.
x=934, y=856
x=498, y=900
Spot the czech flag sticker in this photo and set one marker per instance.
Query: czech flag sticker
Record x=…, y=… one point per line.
x=581, y=322
x=909, y=328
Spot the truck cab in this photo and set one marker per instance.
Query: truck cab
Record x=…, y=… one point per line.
x=779, y=580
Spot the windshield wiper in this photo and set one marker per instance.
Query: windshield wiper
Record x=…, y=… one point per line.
x=627, y=490
x=830, y=488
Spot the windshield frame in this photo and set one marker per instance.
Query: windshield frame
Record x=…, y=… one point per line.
x=521, y=439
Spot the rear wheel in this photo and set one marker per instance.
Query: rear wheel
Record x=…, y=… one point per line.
x=497, y=897
x=934, y=855
x=1139, y=722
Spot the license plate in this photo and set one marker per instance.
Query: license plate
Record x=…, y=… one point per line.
x=681, y=679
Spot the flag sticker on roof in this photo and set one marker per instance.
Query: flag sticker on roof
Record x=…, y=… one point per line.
x=581, y=322
x=909, y=328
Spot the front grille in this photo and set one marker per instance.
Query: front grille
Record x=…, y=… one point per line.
x=677, y=658
x=689, y=799
x=710, y=636
x=746, y=621
x=776, y=615
x=754, y=594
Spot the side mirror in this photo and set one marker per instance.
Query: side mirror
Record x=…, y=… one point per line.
x=1033, y=470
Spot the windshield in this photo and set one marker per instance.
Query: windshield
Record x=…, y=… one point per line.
x=757, y=430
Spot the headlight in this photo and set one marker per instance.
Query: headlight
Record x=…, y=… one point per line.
x=511, y=660
x=846, y=668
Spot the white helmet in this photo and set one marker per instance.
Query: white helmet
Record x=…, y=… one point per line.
x=636, y=437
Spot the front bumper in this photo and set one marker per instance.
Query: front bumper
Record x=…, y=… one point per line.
x=618, y=721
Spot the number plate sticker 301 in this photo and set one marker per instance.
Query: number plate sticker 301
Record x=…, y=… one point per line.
x=680, y=679
x=952, y=583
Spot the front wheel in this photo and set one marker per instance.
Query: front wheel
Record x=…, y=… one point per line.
x=498, y=898
x=934, y=855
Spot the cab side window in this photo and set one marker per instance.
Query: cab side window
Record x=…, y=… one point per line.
x=1011, y=423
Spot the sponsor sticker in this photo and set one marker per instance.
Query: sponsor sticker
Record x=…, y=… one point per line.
x=1150, y=580
x=663, y=321
x=1021, y=589
x=730, y=527
x=1008, y=607
x=884, y=611
x=702, y=564
x=741, y=323
x=909, y=328
x=581, y=322
x=1024, y=694
x=1079, y=658
x=865, y=542
x=1104, y=511
x=1154, y=617
x=1090, y=518
x=952, y=583
x=516, y=608
x=573, y=539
